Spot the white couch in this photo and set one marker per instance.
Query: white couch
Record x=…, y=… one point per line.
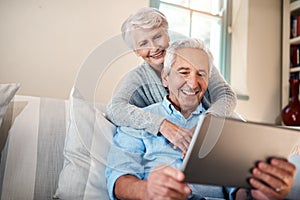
x=32, y=141
x=34, y=130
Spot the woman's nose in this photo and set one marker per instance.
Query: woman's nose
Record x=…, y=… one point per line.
x=153, y=45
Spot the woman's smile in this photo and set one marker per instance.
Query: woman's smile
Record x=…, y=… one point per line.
x=158, y=55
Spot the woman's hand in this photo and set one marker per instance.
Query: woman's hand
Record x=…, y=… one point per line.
x=272, y=180
x=179, y=137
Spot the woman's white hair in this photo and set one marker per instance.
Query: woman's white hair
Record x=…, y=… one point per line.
x=186, y=43
x=144, y=18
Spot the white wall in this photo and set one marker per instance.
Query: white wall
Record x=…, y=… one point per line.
x=44, y=43
x=263, y=61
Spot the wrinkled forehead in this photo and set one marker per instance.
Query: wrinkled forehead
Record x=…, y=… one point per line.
x=191, y=57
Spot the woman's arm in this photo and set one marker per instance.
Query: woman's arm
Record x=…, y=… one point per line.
x=139, y=88
x=220, y=97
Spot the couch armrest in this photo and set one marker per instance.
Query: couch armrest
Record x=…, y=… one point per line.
x=32, y=157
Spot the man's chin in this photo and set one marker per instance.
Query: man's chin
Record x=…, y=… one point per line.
x=191, y=105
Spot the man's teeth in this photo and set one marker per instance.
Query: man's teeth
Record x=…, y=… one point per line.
x=189, y=92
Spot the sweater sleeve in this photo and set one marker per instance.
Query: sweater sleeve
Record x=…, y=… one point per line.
x=222, y=98
x=132, y=93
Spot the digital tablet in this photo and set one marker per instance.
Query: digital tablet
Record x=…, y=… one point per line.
x=223, y=151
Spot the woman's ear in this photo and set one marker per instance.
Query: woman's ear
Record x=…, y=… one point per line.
x=136, y=53
x=164, y=78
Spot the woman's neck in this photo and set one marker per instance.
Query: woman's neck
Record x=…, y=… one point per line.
x=157, y=69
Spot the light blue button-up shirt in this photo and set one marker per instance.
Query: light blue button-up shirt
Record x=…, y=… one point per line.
x=137, y=152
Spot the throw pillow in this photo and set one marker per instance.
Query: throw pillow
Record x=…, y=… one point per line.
x=7, y=92
x=88, y=139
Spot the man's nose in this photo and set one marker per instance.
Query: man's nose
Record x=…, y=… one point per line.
x=193, y=81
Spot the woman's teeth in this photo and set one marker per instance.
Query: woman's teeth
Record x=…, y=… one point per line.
x=157, y=55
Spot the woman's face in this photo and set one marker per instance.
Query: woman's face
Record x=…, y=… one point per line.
x=151, y=45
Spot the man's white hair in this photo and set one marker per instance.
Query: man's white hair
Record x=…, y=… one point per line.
x=186, y=43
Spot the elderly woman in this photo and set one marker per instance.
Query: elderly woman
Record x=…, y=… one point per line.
x=146, y=33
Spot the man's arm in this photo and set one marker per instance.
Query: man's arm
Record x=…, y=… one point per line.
x=125, y=157
x=130, y=187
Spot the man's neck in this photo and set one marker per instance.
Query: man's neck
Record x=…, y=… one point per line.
x=185, y=112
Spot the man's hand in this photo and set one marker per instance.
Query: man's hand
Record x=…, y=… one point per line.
x=272, y=180
x=165, y=182
x=179, y=137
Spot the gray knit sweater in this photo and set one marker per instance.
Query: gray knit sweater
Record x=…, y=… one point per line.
x=142, y=87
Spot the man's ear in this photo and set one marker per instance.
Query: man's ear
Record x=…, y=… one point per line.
x=164, y=78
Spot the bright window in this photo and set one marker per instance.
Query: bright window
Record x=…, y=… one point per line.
x=204, y=19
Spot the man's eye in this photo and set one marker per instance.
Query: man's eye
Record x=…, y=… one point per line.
x=202, y=74
x=183, y=72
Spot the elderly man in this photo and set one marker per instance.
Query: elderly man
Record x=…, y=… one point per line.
x=143, y=166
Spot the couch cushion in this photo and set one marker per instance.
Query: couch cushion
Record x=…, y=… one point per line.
x=7, y=92
x=88, y=139
x=32, y=157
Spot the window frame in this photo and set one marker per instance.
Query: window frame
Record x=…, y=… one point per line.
x=225, y=49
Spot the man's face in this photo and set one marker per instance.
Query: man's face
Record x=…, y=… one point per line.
x=151, y=44
x=188, y=79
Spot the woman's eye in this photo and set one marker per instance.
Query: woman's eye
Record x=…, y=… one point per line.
x=142, y=44
x=157, y=36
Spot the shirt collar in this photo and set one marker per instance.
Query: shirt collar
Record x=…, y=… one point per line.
x=171, y=109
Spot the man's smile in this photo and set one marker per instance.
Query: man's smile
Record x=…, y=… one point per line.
x=190, y=92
